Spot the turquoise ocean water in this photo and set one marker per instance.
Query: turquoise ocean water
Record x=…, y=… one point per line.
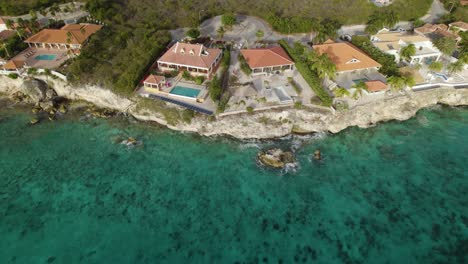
x=395, y=193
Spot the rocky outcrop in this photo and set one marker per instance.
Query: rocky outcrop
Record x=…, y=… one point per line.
x=270, y=124
x=276, y=158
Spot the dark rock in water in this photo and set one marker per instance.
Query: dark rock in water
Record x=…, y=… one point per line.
x=318, y=154
x=47, y=105
x=130, y=142
x=51, y=259
x=34, y=121
x=276, y=158
x=62, y=109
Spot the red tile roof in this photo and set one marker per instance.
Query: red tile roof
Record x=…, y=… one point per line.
x=6, y=34
x=460, y=24
x=271, y=57
x=154, y=79
x=14, y=64
x=79, y=33
x=346, y=56
x=192, y=55
x=375, y=86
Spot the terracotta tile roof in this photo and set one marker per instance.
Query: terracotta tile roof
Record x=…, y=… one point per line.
x=430, y=28
x=375, y=86
x=346, y=56
x=259, y=58
x=463, y=2
x=460, y=24
x=195, y=55
x=154, y=79
x=14, y=64
x=6, y=34
x=397, y=36
x=60, y=36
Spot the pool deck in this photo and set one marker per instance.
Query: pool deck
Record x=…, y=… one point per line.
x=42, y=64
x=207, y=106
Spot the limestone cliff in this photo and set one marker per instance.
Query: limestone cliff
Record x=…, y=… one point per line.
x=269, y=124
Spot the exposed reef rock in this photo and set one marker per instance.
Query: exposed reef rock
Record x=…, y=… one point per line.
x=276, y=158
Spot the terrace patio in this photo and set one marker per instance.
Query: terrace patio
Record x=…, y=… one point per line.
x=201, y=103
x=42, y=58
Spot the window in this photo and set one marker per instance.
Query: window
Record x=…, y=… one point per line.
x=354, y=60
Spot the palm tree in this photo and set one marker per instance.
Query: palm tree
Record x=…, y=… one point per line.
x=408, y=51
x=436, y=66
x=341, y=92
x=9, y=24
x=322, y=65
x=455, y=67
x=4, y=46
x=396, y=83
x=409, y=81
x=221, y=31
x=359, y=88
x=260, y=34
x=391, y=19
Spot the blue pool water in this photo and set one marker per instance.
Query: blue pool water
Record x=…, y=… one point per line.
x=71, y=193
x=45, y=57
x=360, y=80
x=184, y=91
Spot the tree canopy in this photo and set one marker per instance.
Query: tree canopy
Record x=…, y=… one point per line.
x=446, y=45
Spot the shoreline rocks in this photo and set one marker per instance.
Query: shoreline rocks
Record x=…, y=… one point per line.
x=288, y=121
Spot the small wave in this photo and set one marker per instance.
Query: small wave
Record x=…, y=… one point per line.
x=245, y=146
x=290, y=168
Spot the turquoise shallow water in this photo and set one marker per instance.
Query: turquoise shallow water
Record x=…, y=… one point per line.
x=395, y=193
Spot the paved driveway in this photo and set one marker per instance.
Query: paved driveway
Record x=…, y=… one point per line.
x=244, y=31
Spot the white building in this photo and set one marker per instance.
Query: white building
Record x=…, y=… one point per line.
x=3, y=25
x=393, y=42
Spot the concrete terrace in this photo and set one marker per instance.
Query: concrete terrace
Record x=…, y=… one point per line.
x=30, y=54
x=202, y=104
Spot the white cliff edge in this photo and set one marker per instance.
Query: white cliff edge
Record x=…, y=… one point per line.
x=262, y=125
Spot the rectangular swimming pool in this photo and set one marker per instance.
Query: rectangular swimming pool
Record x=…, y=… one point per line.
x=360, y=80
x=45, y=57
x=184, y=91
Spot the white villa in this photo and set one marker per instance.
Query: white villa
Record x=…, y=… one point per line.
x=194, y=58
x=393, y=42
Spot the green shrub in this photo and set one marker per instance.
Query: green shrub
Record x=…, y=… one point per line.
x=298, y=105
x=249, y=109
x=186, y=75
x=215, y=88
x=32, y=71
x=13, y=75
x=389, y=66
x=193, y=33
x=187, y=115
x=244, y=66
x=228, y=20
x=199, y=80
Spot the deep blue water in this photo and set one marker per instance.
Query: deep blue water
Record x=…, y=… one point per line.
x=395, y=193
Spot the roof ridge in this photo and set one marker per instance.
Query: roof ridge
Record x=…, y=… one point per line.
x=278, y=54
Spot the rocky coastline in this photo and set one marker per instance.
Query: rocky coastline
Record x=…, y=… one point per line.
x=47, y=94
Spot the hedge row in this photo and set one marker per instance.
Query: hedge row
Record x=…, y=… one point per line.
x=310, y=76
